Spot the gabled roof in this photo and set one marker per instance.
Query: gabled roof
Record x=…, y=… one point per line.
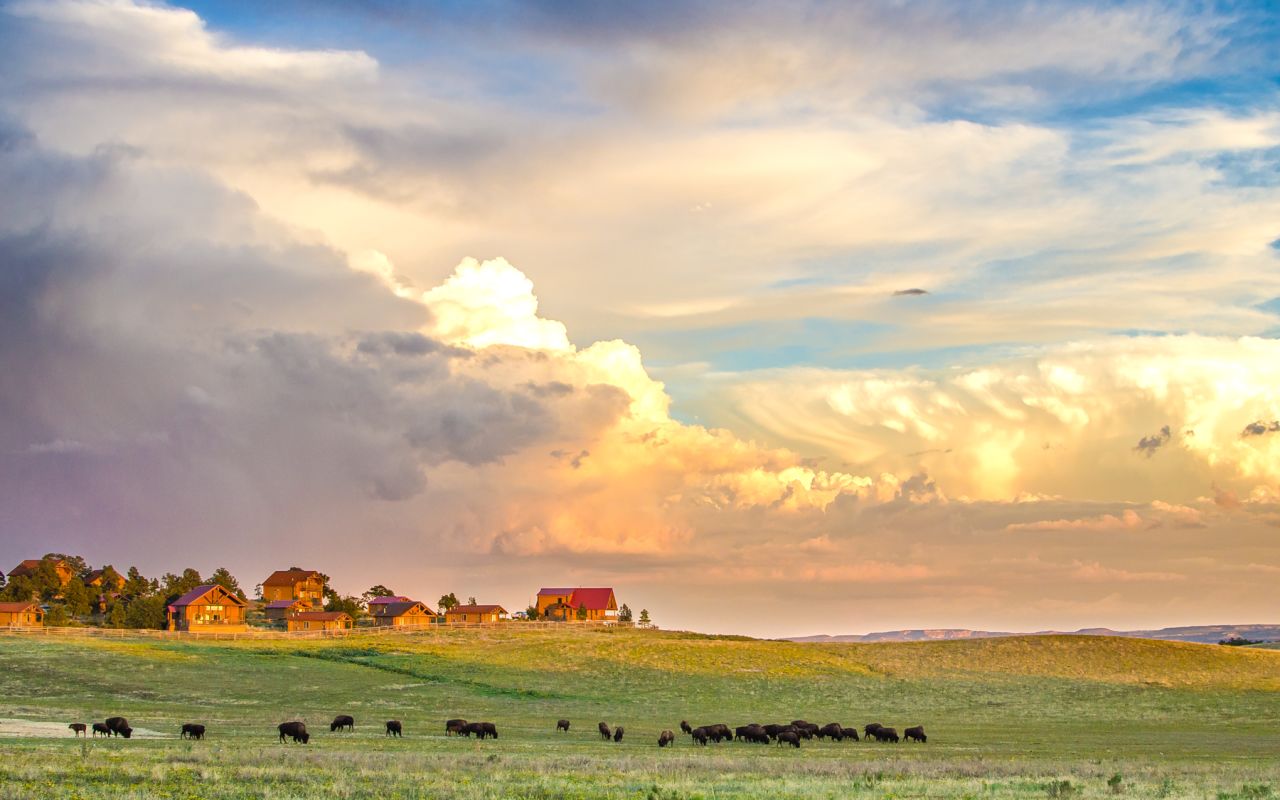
x=18, y=607
x=400, y=609
x=200, y=591
x=30, y=565
x=389, y=598
x=555, y=592
x=476, y=609
x=596, y=599
x=321, y=616
x=288, y=577
x=286, y=603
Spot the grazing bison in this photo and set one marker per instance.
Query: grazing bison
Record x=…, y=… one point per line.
x=562, y=725
x=191, y=730
x=79, y=728
x=916, y=733
x=482, y=730
x=684, y=727
x=605, y=733
x=851, y=733
x=832, y=730
x=455, y=727
x=118, y=726
x=394, y=728
x=720, y=733
x=807, y=731
x=754, y=734
x=869, y=731
x=700, y=736
x=617, y=734
x=886, y=735
x=99, y=728
x=789, y=737
x=665, y=738
x=342, y=721
x=294, y=730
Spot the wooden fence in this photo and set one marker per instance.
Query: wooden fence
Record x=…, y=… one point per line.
x=266, y=633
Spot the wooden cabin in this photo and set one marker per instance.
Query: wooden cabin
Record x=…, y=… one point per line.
x=320, y=621
x=476, y=613
x=22, y=614
x=400, y=614
x=294, y=584
x=278, y=610
x=208, y=608
x=29, y=566
x=562, y=604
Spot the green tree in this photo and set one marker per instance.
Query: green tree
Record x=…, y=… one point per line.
x=135, y=585
x=531, y=613
x=111, y=580
x=46, y=581
x=471, y=601
x=347, y=603
x=624, y=613
x=176, y=585
x=77, y=564
x=223, y=577
x=644, y=618
x=20, y=588
x=146, y=612
x=448, y=601
x=376, y=591
x=76, y=598
x=117, y=615
x=582, y=611
x=57, y=616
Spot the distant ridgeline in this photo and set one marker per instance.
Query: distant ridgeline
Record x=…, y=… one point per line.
x=1206, y=634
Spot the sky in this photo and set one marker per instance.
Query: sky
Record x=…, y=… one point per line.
x=781, y=319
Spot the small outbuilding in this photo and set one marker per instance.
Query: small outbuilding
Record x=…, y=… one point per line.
x=22, y=614
x=320, y=621
x=401, y=614
x=475, y=613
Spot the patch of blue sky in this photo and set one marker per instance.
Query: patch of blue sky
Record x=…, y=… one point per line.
x=1248, y=168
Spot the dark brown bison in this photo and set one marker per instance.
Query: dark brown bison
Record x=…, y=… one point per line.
x=869, y=731
x=455, y=727
x=700, y=736
x=851, y=733
x=720, y=732
x=294, y=730
x=684, y=727
x=832, y=730
x=753, y=734
x=789, y=737
x=191, y=730
x=617, y=734
x=886, y=735
x=79, y=728
x=915, y=733
x=99, y=728
x=562, y=725
x=394, y=728
x=665, y=738
x=119, y=726
x=806, y=731
x=605, y=733
x=341, y=722
x=482, y=730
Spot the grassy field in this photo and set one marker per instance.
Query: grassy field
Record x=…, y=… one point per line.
x=1018, y=717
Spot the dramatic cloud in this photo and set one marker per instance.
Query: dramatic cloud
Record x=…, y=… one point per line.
x=1148, y=445
x=1260, y=428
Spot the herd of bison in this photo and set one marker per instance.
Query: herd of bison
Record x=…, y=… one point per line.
x=791, y=733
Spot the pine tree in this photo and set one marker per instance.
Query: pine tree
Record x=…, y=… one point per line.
x=116, y=615
x=644, y=618
x=223, y=577
x=582, y=611
x=624, y=613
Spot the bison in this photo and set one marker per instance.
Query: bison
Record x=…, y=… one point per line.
x=617, y=734
x=455, y=727
x=562, y=725
x=789, y=737
x=605, y=733
x=916, y=733
x=832, y=730
x=665, y=738
x=700, y=736
x=851, y=733
x=79, y=728
x=342, y=721
x=394, y=728
x=886, y=735
x=191, y=730
x=294, y=730
x=869, y=730
x=754, y=734
x=684, y=727
x=720, y=733
x=119, y=726
x=100, y=728
x=482, y=730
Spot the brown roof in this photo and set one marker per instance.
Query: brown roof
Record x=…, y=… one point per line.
x=288, y=577
x=399, y=609
x=321, y=616
x=29, y=566
x=17, y=608
x=476, y=609
x=200, y=591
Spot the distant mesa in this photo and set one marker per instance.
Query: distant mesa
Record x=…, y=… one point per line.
x=902, y=292
x=1205, y=634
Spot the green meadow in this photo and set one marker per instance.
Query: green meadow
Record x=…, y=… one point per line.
x=1020, y=717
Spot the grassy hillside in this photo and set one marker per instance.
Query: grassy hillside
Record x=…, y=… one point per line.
x=1006, y=717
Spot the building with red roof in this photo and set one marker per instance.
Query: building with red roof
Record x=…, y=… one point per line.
x=562, y=604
